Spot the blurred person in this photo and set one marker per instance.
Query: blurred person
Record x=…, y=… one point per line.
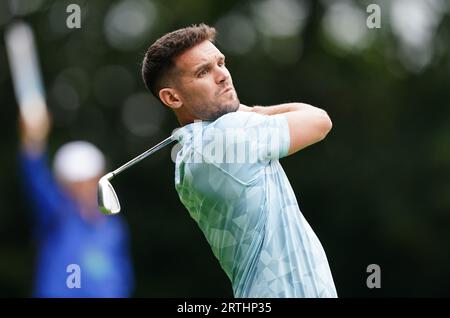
x=68, y=227
x=245, y=207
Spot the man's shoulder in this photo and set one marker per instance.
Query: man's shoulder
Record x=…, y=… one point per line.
x=238, y=119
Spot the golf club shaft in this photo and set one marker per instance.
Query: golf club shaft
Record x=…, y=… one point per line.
x=132, y=162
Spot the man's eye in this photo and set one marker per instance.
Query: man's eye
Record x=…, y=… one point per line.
x=202, y=73
x=221, y=63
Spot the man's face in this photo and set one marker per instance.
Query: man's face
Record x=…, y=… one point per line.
x=83, y=192
x=204, y=84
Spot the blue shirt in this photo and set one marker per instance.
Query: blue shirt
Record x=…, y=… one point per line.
x=229, y=178
x=63, y=238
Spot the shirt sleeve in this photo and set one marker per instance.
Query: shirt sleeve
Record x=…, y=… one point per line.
x=254, y=137
x=44, y=194
x=273, y=137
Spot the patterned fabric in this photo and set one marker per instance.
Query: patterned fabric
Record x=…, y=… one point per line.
x=229, y=178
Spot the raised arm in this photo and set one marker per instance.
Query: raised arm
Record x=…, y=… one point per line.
x=307, y=124
x=33, y=135
x=38, y=180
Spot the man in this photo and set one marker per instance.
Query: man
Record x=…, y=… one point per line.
x=68, y=227
x=241, y=200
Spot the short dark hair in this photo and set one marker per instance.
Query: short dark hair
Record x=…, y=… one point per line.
x=159, y=59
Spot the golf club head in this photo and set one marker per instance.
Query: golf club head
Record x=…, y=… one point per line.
x=108, y=202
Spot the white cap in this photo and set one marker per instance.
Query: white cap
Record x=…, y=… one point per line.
x=78, y=161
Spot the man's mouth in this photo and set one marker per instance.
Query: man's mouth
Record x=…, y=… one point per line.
x=226, y=90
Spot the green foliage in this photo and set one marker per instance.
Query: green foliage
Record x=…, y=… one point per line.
x=377, y=190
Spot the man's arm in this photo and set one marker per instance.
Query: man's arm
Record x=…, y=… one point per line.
x=38, y=181
x=33, y=135
x=244, y=108
x=307, y=124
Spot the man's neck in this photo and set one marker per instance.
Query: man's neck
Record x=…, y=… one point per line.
x=184, y=119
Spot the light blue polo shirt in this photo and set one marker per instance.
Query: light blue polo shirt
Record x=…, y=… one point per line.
x=229, y=178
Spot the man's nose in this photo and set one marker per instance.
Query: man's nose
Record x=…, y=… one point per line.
x=222, y=74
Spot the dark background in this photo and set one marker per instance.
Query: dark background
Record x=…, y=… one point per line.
x=376, y=191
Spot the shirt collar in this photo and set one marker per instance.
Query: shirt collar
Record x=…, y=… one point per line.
x=186, y=132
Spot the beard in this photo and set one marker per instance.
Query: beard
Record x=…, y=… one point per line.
x=212, y=113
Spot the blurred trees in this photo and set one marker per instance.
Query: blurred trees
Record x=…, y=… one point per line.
x=377, y=190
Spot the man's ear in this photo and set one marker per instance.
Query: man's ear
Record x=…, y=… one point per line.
x=170, y=98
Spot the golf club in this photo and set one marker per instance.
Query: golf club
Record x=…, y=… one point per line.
x=108, y=202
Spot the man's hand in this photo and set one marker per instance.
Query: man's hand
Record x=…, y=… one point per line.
x=264, y=110
x=33, y=135
x=243, y=108
x=286, y=108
